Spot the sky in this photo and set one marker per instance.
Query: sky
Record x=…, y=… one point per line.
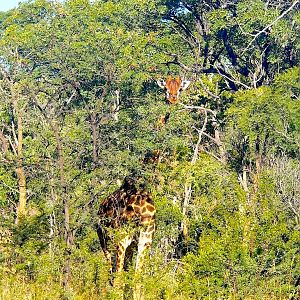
x=5, y=5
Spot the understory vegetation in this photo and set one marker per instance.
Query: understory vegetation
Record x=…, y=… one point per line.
x=80, y=109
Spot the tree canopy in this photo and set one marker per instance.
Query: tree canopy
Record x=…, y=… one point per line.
x=80, y=110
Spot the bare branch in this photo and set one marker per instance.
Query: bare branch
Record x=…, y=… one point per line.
x=9, y=187
x=70, y=98
x=200, y=133
x=218, y=143
x=230, y=79
x=175, y=61
x=201, y=108
x=12, y=146
x=184, y=27
x=270, y=25
x=213, y=155
x=14, y=133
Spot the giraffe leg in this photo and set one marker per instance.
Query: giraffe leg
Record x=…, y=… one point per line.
x=121, y=250
x=129, y=255
x=120, y=259
x=103, y=238
x=144, y=243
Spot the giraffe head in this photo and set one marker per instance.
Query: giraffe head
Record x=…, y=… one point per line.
x=174, y=87
x=129, y=184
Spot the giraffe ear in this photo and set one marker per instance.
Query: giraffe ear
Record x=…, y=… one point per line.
x=185, y=84
x=161, y=83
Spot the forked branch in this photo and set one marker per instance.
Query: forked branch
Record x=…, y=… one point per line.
x=270, y=25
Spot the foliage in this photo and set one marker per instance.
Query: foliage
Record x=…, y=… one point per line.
x=78, y=92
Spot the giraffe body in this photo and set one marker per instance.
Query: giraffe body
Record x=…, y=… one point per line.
x=133, y=212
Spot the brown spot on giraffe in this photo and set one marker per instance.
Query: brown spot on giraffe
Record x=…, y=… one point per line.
x=150, y=208
x=127, y=205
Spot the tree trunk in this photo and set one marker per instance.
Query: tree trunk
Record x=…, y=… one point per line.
x=68, y=236
x=220, y=146
x=21, y=209
x=116, y=106
x=4, y=143
x=258, y=162
x=188, y=187
x=94, y=136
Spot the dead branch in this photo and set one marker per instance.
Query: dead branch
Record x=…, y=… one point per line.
x=201, y=108
x=270, y=25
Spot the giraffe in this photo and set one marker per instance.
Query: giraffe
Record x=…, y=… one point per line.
x=174, y=87
x=133, y=211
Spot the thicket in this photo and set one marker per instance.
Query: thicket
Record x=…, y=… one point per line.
x=80, y=109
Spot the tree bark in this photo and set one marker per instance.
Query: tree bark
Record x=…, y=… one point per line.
x=20, y=172
x=94, y=136
x=188, y=183
x=68, y=236
x=220, y=146
x=21, y=209
x=4, y=143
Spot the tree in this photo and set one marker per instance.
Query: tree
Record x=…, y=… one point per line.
x=78, y=85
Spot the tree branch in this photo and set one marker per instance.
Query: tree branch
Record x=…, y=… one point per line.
x=218, y=143
x=207, y=90
x=183, y=26
x=204, y=109
x=270, y=25
x=4, y=142
x=200, y=133
x=231, y=81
